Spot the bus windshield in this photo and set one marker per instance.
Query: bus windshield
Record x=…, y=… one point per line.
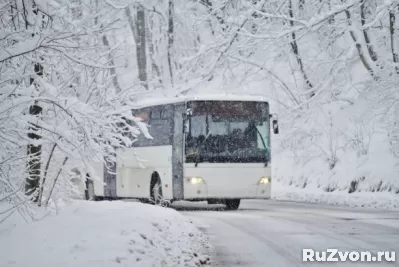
x=228, y=131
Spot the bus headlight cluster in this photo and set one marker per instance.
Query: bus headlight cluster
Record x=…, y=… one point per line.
x=264, y=180
x=196, y=180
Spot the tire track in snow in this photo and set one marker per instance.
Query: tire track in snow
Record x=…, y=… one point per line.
x=354, y=237
x=280, y=249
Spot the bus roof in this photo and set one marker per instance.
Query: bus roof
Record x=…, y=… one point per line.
x=164, y=100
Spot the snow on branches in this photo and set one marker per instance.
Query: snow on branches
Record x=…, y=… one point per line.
x=328, y=67
x=59, y=107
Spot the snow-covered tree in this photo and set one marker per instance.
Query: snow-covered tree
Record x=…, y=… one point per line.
x=70, y=71
x=328, y=67
x=59, y=103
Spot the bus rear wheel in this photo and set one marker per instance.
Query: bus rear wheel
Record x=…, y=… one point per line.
x=89, y=192
x=215, y=201
x=232, y=204
x=156, y=191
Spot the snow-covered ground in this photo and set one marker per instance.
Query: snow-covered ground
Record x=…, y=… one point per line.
x=379, y=200
x=95, y=234
x=272, y=233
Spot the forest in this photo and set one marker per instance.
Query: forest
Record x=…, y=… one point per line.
x=70, y=72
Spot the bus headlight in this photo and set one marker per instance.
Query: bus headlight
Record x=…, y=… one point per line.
x=264, y=180
x=196, y=180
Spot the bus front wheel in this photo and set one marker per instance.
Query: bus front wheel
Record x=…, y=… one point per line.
x=232, y=204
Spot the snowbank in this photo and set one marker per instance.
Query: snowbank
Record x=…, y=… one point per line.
x=105, y=234
x=379, y=200
x=342, y=154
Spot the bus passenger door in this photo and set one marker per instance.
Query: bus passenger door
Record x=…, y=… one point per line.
x=177, y=152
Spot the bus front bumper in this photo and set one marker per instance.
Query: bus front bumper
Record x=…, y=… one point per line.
x=227, y=180
x=203, y=191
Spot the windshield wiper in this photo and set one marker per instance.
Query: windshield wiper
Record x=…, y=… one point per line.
x=202, y=145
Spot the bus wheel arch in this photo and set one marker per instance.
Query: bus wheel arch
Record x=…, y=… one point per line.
x=156, y=195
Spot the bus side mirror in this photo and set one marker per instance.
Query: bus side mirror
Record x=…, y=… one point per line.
x=274, y=123
x=275, y=127
x=186, y=125
x=186, y=122
x=189, y=113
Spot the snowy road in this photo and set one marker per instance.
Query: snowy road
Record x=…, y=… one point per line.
x=270, y=233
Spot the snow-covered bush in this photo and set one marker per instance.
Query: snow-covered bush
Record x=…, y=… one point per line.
x=329, y=68
x=59, y=107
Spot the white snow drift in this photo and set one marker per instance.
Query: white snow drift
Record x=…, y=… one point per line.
x=105, y=234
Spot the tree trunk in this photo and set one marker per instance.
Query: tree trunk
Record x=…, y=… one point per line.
x=154, y=66
x=392, y=19
x=372, y=53
x=55, y=181
x=138, y=30
x=141, y=46
x=115, y=81
x=295, y=50
x=359, y=47
x=45, y=174
x=331, y=20
x=208, y=4
x=170, y=38
x=34, y=151
x=301, y=4
x=118, y=88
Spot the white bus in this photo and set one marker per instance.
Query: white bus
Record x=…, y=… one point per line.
x=203, y=149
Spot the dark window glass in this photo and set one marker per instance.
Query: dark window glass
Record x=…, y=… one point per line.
x=228, y=131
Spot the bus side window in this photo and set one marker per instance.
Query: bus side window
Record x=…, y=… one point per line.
x=155, y=115
x=159, y=114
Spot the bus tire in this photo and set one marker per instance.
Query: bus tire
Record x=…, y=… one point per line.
x=89, y=192
x=232, y=204
x=156, y=190
x=215, y=201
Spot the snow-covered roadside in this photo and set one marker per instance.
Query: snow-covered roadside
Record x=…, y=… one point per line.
x=379, y=200
x=95, y=234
